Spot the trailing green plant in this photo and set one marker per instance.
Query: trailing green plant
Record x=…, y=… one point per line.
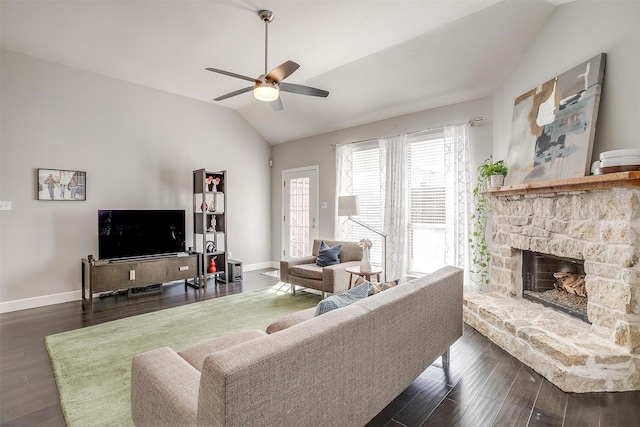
x=480, y=255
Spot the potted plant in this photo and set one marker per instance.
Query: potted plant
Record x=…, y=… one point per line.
x=493, y=171
x=479, y=247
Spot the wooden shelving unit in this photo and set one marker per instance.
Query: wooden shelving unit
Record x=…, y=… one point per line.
x=210, y=225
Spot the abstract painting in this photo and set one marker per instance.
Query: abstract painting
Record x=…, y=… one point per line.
x=554, y=125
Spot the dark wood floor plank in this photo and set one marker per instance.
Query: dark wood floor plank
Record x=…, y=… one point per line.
x=518, y=405
x=486, y=405
x=550, y=407
x=448, y=413
x=426, y=401
x=620, y=409
x=583, y=410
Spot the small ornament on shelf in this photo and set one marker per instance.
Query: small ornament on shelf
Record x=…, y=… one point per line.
x=215, y=182
x=213, y=224
x=212, y=265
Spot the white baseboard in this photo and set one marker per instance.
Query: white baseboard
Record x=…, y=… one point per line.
x=26, y=303
x=260, y=265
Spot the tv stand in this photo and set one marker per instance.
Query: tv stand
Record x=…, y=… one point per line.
x=103, y=276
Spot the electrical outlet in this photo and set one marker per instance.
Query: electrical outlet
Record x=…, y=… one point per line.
x=5, y=205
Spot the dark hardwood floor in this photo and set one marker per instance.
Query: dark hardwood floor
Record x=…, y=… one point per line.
x=484, y=386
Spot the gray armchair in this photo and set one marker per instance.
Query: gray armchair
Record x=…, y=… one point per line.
x=333, y=279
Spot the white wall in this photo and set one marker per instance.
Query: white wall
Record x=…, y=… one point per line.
x=138, y=147
x=574, y=33
x=319, y=150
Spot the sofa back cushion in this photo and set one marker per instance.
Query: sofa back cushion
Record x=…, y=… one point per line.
x=350, y=251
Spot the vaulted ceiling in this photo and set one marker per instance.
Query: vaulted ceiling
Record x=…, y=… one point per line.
x=378, y=59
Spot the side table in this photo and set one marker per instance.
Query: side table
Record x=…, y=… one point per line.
x=355, y=270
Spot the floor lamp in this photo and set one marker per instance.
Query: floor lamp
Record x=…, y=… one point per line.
x=348, y=206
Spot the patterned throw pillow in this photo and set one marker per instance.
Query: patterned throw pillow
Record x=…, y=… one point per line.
x=342, y=300
x=328, y=255
x=376, y=287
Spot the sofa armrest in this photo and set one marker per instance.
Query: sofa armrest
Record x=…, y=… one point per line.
x=285, y=265
x=164, y=389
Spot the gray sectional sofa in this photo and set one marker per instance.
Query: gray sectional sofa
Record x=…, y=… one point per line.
x=338, y=369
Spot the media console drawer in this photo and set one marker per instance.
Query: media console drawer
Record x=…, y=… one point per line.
x=182, y=267
x=104, y=277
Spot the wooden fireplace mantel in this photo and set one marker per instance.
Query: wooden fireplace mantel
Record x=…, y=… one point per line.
x=591, y=182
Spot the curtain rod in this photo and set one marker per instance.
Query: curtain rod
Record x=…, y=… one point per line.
x=471, y=122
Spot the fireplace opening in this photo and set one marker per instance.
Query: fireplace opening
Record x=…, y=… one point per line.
x=555, y=282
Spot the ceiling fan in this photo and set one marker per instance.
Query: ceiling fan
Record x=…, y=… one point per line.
x=267, y=86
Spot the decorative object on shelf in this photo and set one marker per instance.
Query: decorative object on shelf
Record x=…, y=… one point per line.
x=216, y=181
x=211, y=247
x=209, y=183
x=365, y=264
x=493, y=171
x=625, y=160
x=554, y=126
x=211, y=207
x=63, y=185
x=212, y=265
x=348, y=206
x=213, y=224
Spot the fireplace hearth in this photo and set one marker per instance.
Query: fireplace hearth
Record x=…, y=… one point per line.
x=573, y=230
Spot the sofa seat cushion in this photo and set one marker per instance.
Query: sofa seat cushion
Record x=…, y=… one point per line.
x=291, y=320
x=195, y=355
x=307, y=271
x=343, y=299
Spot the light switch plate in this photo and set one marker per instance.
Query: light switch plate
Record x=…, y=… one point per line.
x=324, y=205
x=5, y=205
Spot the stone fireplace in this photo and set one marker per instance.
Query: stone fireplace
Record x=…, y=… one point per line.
x=587, y=226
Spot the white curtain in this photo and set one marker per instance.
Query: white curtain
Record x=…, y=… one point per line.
x=458, y=201
x=393, y=159
x=344, y=183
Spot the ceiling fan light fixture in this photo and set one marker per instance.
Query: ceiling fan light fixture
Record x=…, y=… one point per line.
x=266, y=91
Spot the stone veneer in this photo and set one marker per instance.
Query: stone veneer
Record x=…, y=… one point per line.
x=601, y=227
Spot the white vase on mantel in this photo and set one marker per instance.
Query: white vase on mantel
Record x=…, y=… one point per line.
x=365, y=264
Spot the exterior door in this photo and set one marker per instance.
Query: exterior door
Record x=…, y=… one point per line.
x=299, y=211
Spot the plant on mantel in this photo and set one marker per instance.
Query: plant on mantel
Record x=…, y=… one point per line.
x=480, y=255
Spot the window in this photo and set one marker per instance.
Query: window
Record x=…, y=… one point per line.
x=426, y=196
x=426, y=184
x=367, y=185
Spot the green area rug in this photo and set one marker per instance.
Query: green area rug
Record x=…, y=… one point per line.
x=92, y=365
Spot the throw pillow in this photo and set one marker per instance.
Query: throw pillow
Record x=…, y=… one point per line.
x=377, y=287
x=328, y=255
x=342, y=300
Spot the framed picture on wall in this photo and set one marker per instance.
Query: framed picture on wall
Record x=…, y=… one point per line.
x=61, y=185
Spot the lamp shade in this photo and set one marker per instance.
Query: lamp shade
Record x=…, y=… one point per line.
x=266, y=91
x=348, y=205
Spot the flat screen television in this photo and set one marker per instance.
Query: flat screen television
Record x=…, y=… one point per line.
x=140, y=233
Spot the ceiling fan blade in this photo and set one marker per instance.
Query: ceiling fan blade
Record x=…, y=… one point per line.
x=234, y=93
x=276, y=105
x=229, y=73
x=282, y=71
x=303, y=90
